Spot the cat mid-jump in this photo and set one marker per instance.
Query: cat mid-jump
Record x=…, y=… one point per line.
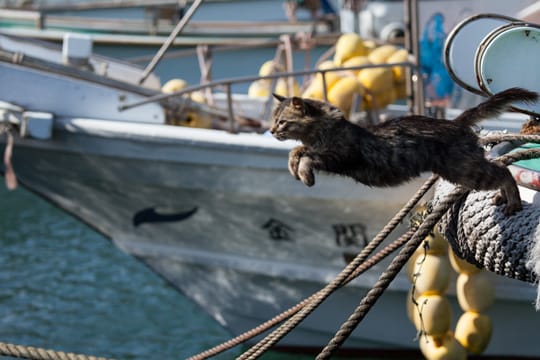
x=398, y=150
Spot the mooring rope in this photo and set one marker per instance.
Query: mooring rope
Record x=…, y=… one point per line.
x=271, y=339
x=490, y=139
x=369, y=263
x=30, y=352
x=389, y=274
x=403, y=256
x=366, y=264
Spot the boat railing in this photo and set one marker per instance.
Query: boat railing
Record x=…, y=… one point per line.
x=226, y=85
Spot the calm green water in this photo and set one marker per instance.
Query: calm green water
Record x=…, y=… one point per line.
x=65, y=287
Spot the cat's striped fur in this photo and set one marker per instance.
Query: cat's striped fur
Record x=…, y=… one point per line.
x=395, y=151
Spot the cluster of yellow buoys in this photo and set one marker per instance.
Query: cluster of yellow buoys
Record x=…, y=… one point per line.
x=377, y=86
x=188, y=118
x=262, y=87
x=429, y=269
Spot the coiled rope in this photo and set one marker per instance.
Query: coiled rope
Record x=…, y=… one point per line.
x=29, y=352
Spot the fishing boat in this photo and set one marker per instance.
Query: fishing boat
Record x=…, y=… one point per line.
x=213, y=210
x=150, y=22
x=134, y=30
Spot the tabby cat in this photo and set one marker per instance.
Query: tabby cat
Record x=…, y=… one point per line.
x=397, y=150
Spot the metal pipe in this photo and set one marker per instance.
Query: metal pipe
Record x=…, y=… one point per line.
x=408, y=46
x=418, y=81
x=230, y=108
x=179, y=27
x=324, y=85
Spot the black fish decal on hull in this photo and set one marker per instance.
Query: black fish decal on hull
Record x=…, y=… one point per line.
x=151, y=215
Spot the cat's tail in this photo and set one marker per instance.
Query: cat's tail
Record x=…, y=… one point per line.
x=496, y=105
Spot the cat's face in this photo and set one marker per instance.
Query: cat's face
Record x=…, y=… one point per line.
x=288, y=118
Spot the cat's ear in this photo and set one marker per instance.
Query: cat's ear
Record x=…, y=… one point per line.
x=297, y=103
x=278, y=97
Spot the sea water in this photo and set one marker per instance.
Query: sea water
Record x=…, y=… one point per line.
x=65, y=287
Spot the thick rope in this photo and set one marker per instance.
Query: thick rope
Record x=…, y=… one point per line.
x=493, y=139
x=479, y=233
x=387, y=276
x=29, y=352
x=368, y=264
x=403, y=256
x=319, y=297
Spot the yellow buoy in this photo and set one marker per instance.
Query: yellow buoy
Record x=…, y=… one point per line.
x=327, y=64
x=347, y=46
x=282, y=88
x=370, y=45
x=475, y=292
x=473, y=331
x=436, y=243
x=377, y=80
x=356, y=61
x=401, y=90
x=342, y=92
x=379, y=100
x=418, y=256
x=174, y=85
x=269, y=68
x=198, y=96
x=444, y=347
x=380, y=54
x=331, y=77
x=433, y=314
x=432, y=274
x=430, y=312
x=315, y=89
x=259, y=88
x=410, y=304
x=400, y=55
x=462, y=266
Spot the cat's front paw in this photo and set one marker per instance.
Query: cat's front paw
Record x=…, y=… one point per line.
x=294, y=160
x=305, y=171
x=293, y=167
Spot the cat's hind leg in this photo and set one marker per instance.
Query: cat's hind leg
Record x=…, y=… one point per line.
x=486, y=175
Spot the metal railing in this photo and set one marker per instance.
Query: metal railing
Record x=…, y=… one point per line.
x=226, y=86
